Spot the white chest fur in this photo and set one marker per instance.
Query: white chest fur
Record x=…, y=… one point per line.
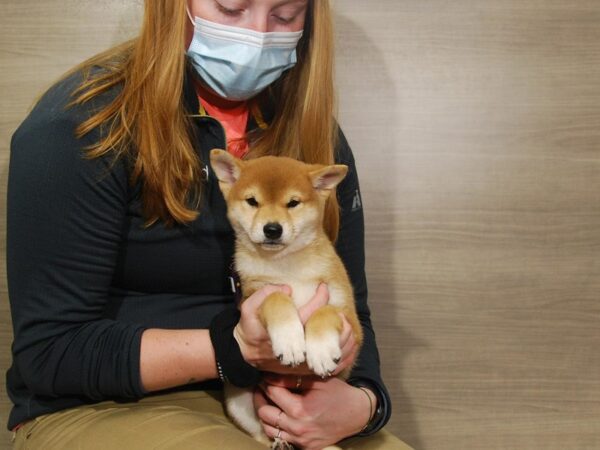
x=302, y=292
x=295, y=271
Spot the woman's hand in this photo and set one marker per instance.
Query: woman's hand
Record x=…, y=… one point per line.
x=254, y=342
x=312, y=419
x=252, y=337
x=250, y=334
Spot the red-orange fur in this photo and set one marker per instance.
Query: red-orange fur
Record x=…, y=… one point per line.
x=303, y=257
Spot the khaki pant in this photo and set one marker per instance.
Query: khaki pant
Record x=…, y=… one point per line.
x=179, y=421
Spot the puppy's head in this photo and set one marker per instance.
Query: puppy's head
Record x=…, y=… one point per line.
x=275, y=204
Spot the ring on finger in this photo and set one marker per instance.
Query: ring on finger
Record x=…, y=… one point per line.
x=277, y=421
x=278, y=434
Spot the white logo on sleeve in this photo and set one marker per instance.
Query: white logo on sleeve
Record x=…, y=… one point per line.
x=356, y=201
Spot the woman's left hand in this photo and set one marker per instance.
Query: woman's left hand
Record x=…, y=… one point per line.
x=322, y=413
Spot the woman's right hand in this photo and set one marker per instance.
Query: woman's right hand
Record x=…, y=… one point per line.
x=250, y=334
x=254, y=342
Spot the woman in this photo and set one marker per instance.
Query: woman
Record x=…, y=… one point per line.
x=119, y=250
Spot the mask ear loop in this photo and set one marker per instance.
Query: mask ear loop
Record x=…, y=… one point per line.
x=187, y=10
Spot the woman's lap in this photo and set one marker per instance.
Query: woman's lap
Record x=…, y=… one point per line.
x=183, y=420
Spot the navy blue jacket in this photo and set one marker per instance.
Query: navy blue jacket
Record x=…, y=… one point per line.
x=85, y=277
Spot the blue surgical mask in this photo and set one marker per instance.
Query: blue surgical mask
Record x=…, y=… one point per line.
x=238, y=63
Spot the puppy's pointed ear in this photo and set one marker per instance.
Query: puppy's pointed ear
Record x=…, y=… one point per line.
x=226, y=166
x=327, y=178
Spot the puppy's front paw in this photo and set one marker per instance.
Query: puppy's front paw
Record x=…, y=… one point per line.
x=288, y=344
x=280, y=444
x=323, y=353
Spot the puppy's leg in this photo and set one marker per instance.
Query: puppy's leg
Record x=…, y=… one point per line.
x=323, y=331
x=280, y=317
x=239, y=403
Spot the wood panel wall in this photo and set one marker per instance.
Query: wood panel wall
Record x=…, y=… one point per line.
x=476, y=127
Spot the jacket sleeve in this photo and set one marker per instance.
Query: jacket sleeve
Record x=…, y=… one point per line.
x=350, y=247
x=65, y=220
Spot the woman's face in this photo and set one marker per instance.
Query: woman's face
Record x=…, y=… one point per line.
x=257, y=15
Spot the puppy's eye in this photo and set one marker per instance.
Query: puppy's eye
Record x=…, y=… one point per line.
x=293, y=203
x=252, y=201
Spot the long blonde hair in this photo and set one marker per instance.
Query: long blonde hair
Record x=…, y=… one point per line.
x=148, y=121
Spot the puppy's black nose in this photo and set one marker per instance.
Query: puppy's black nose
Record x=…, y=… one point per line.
x=273, y=230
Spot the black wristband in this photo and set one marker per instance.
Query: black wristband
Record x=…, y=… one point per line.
x=374, y=423
x=231, y=365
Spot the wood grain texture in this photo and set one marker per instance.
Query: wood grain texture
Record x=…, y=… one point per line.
x=476, y=127
x=5, y=361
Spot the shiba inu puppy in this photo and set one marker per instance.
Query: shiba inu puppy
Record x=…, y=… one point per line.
x=276, y=207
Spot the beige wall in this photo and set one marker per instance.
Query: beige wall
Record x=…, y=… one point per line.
x=476, y=126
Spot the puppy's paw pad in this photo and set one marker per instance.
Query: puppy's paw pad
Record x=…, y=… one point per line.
x=288, y=343
x=323, y=354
